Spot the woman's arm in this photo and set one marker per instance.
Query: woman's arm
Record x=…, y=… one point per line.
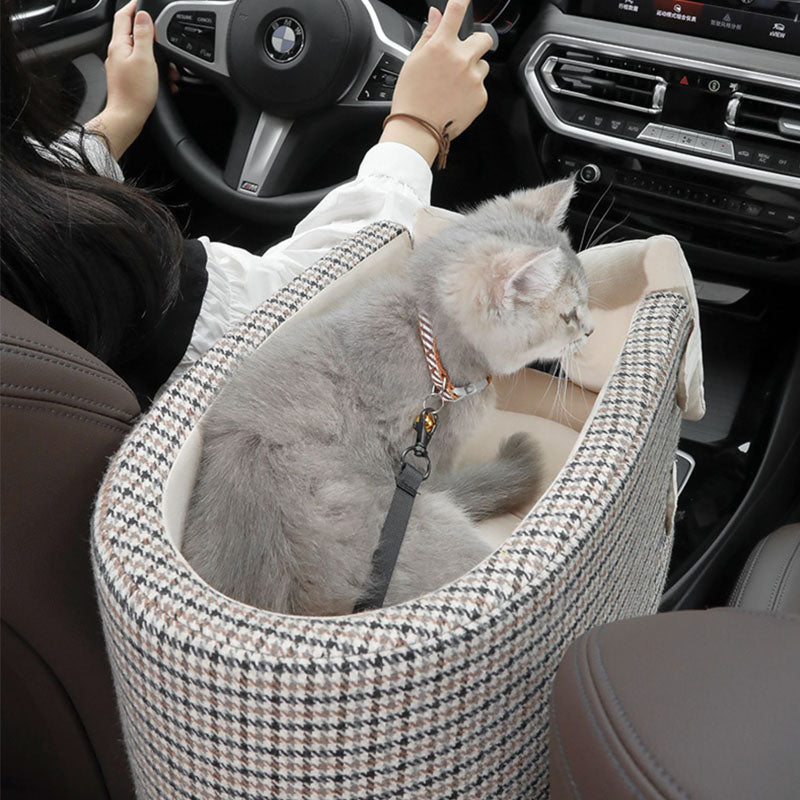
x=131, y=80
x=441, y=81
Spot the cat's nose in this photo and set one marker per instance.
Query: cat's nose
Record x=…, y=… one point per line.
x=588, y=325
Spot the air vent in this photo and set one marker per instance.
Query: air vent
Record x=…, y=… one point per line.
x=585, y=77
x=763, y=116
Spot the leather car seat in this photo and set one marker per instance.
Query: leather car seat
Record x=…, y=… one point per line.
x=702, y=704
x=64, y=413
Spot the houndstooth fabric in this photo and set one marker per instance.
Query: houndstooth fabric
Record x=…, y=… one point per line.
x=441, y=697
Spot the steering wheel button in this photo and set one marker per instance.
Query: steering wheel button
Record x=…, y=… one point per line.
x=193, y=30
x=209, y=20
x=390, y=63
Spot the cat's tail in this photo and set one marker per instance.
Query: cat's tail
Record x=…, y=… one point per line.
x=505, y=484
x=233, y=536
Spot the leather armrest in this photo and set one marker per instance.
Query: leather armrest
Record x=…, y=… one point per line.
x=686, y=704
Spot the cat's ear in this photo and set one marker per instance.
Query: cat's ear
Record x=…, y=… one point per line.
x=537, y=277
x=548, y=203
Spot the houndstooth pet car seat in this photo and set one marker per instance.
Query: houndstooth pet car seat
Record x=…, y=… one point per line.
x=441, y=697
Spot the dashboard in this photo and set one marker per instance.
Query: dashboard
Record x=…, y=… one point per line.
x=772, y=24
x=686, y=114
x=656, y=108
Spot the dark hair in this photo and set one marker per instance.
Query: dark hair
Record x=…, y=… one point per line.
x=95, y=259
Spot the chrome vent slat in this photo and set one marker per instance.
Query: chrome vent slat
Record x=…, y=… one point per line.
x=749, y=114
x=561, y=115
x=593, y=81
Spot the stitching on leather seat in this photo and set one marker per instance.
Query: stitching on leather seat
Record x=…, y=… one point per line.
x=564, y=759
x=61, y=363
x=744, y=578
x=120, y=427
x=78, y=398
x=47, y=348
x=593, y=719
x=783, y=580
x=631, y=730
x=790, y=617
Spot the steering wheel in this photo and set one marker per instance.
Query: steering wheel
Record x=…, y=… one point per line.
x=297, y=76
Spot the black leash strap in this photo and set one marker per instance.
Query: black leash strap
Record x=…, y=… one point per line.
x=384, y=558
x=407, y=481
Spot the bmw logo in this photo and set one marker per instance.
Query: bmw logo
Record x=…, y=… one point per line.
x=284, y=39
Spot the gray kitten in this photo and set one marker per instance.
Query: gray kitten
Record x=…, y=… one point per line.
x=303, y=443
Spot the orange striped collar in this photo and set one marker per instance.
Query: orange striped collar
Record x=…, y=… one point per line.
x=442, y=385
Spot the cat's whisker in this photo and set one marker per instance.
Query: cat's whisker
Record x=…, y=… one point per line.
x=563, y=388
x=576, y=370
x=621, y=222
x=599, y=223
x=595, y=281
x=596, y=302
x=591, y=214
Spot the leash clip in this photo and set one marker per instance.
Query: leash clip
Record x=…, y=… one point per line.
x=424, y=426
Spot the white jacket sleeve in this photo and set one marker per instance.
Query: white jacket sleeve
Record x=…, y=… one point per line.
x=393, y=183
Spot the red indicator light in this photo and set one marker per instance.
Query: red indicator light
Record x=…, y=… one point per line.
x=684, y=81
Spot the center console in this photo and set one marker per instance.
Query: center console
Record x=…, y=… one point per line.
x=685, y=135
x=683, y=118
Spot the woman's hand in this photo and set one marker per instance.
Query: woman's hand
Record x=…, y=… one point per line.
x=441, y=82
x=131, y=79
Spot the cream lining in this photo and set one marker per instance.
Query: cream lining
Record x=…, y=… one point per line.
x=620, y=275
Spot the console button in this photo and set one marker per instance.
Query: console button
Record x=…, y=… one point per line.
x=581, y=117
x=651, y=133
x=763, y=157
x=632, y=128
x=787, y=164
x=686, y=140
x=751, y=209
x=704, y=143
x=722, y=147
x=744, y=154
x=790, y=218
x=615, y=125
x=597, y=121
x=669, y=135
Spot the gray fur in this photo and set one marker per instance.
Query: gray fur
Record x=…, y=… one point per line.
x=302, y=444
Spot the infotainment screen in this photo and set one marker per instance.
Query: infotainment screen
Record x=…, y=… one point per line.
x=770, y=24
